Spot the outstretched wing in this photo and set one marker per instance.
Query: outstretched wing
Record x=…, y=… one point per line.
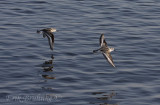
x=102, y=40
x=108, y=56
x=49, y=40
x=52, y=37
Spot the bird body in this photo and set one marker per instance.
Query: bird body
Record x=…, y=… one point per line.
x=105, y=50
x=48, y=32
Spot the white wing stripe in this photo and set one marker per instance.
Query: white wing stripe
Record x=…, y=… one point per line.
x=110, y=61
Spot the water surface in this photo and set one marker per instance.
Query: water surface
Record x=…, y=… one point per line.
x=76, y=76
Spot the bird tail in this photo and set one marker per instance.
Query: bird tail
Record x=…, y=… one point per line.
x=38, y=31
x=95, y=51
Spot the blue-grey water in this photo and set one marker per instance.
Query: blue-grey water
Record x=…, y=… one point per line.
x=75, y=76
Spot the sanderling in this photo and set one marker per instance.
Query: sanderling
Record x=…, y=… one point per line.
x=105, y=50
x=49, y=33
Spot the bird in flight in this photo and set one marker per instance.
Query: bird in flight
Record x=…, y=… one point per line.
x=105, y=50
x=48, y=32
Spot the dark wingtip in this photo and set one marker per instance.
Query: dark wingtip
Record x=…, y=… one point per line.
x=114, y=66
x=51, y=48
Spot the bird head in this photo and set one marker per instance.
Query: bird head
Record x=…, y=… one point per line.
x=111, y=49
x=53, y=30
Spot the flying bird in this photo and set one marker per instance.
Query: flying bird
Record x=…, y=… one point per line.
x=48, y=32
x=105, y=50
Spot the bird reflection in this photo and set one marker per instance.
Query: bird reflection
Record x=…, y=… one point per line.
x=107, y=96
x=47, y=88
x=48, y=67
x=103, y=96
x=48, y=77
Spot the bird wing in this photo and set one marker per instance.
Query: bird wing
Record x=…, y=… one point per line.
x=102, y=40
x=49, y=40
x=108, y=56
x=44, y=35
x=52, y=37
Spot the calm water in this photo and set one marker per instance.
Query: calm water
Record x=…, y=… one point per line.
x=76, y=76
